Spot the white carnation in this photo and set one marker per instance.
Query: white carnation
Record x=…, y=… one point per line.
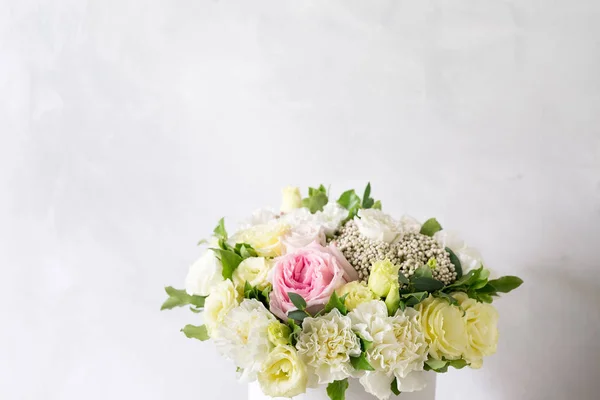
x=329, y=220
x=221, y=300
x=378, y=226
x=410, y=224
x=325, y=345
x=204, y=274
x=259, y=217
x=243, y=337
x=398, y=351
x=302, y=235
x=469, y=257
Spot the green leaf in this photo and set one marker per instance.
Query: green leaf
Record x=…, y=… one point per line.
x=201, y=242
x=446, y=296
x=336, y=390
x=436, y=364
x=179, y=298
x=368, y=201
x=427, y=284
x=506, y=284
x=360, y=363
x=402, y=278
x=295, y=331
x=195, y=310
x=297, y=300
x=298, y=315
x=351, y=202
x=485, y=298
x=456, y=262
x=196, y=332
x=336, y=302
x=412, y=299
x=230, y=261
x=458, y=364
x=377, y=205
x=430, y=227
x=315, y=202
x=245, y=250
x=394, y=387
x=220, y=231
x=422, y=272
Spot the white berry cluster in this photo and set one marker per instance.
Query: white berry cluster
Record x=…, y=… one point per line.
x=410, y=252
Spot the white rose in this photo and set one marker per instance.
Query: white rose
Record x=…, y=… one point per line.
x=302, y=235
x=291, y=199
x=398, y=350
x=221, y=300
x=469, y=257
x=265, y=238
x=204, y=274
x=259, y=217
x=254, y=270
x=326, y=344
x=378, y=226
x=331, y=218
x=243, y=337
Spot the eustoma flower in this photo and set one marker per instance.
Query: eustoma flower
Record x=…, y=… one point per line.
x=313, y=272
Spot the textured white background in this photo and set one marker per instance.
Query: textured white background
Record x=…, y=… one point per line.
x=129, y=127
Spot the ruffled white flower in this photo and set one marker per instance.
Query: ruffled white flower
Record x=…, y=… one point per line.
x=410, y=224
x=221, y=300
x=259, y=217
x=302, y=235
x=378, y=226
x=469, y=257
x=325, y=345
x=283, y=374
x=255, y=271
x=330, y=219
x=204, y=274
x=243, y=337
x=398, y=351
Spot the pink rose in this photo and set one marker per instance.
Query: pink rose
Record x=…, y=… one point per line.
x=314, y=272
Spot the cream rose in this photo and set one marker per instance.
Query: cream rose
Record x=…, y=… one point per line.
x=283, y=374
x=356, y=293
x=482, y=329
x=265, y=238
x=291, y=199
x=255, y=271
x=444, y=328
x=221, y=300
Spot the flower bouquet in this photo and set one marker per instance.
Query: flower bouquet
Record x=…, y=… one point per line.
x=328, y=295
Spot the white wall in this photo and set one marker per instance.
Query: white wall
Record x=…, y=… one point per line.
x=129, y=127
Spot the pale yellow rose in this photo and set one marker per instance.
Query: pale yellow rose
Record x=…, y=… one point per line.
x=290, y=199
x=383, y=277
x=356, y=293
x=265, y=238
x=278, y=333
x=482, y=329
x=283, y=374
x=223, y=298
x=444, y=327
x=255, y=271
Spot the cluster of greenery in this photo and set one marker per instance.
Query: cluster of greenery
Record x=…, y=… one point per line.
x=318, y=198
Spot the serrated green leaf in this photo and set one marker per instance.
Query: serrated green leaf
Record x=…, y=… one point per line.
x=220, y=231
x=456, y=262
x=179, y=298
x=394, y=387
x=430, y=227
x=297, y=300
x=196, y=332
x=360, y=363
x=351, y=202
x=422, y=272
x=230, y=261
x=316, y=201
x=427, y=284
x=505, y=284
x=337, y=303
x=336, y=390
x=377, y=205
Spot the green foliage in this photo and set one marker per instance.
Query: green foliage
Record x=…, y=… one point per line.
x=180, y=298
x=297, y=300
x=430, y=227
x=196, y=332
x=351, y=202
x=368, y=201
x=377, y=205
x=336, y=302
x=252, y=292
x=336, y=390
x=456, y=262
x=394, y=387
x=476, y=285
x=230, y=261
x=441, y=366
x=295, y=331
x=316, y=200
x=505, y=284
x=220, y=232
x=298, y=315
x=360, y=363
x=427, y=284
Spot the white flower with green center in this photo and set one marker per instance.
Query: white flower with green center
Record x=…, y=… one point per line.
x=243, y=337
x=398, y=350
x=326, y=345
